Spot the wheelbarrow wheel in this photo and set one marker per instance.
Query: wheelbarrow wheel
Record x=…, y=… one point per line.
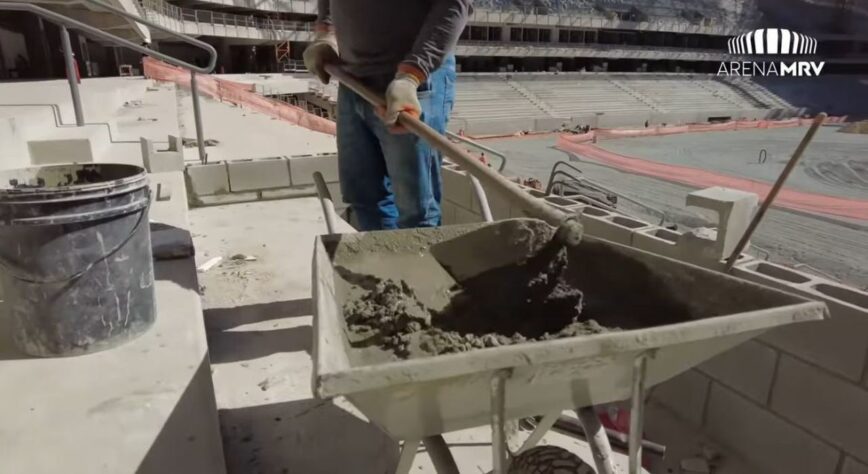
x=548, y=460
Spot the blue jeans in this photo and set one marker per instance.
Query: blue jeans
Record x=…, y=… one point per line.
x=393, y=180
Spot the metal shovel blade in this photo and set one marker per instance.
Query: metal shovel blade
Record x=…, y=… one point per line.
x=496, y=245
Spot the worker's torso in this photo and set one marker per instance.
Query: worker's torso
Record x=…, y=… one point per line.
x=375, y=35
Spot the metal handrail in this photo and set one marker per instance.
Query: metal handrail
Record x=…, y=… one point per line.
x=65, y=21
x=484, y=148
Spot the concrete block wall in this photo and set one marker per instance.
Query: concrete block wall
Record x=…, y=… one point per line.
x=228, y=182
x=796, y=398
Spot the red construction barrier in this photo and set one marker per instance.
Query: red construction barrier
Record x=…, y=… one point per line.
x=239, y=94
x=699, y=178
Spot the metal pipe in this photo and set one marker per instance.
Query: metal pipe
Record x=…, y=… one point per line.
x=498, y=435
x=71, y=76
x=597, y=439
x=482, y=198
x=197, y=118
x=767, y=202
x=476, y=144
x=325, y=200
x=408, y=453
x=619, y=441
x=637, y=414
x=441, y=458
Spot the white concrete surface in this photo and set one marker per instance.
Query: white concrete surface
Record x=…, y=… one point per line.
x=244, y=133
x=273, y=83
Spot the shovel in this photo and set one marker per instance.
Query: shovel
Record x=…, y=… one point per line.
x=500, y=244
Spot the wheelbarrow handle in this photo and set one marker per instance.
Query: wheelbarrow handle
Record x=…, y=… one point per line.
x=531, y=205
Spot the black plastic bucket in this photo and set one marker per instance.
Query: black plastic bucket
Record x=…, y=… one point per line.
x=75, y=257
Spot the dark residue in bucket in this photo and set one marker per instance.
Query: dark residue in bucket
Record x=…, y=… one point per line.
x=532, y=302
x=82, y=175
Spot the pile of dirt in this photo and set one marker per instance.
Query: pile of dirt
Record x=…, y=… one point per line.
x=529, y=301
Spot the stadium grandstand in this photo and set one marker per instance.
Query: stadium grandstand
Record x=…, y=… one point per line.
x=550, y=63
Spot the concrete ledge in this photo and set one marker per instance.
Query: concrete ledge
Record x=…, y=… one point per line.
x=145, y=407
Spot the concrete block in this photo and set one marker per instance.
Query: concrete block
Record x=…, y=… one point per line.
x=612, y=227
x=747, y=368
x=764, y=439
x=832, y=408
x=657, y=240
x=466, y=216
x=164, y=192
x=457, y=187
x=301, y=168
x=852, y=466
x=685, y=395
x=447, y=213
x=175, y=143
x=252, y=175
x=734, y=209
x=562, y=203
x=218, y=199
x=838, y=344
x=208, y=179
x=162, y=162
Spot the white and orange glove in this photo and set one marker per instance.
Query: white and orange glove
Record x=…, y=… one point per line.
x=322, y=51
x=401, y=96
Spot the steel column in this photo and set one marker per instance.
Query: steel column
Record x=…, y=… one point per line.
x=637, y=413
x=71, y=77
x=197, y=117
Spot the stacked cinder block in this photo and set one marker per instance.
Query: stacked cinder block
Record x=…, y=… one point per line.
x=228, y=182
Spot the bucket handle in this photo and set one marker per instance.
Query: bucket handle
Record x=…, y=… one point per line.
x=134, y=206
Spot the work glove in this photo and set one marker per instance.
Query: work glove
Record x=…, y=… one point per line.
x=401, y=97
x=322, y=51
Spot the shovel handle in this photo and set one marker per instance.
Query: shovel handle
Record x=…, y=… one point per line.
x=773, y=193
x=533, y=206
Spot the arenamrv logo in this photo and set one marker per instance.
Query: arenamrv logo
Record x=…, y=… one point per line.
x=772, y=41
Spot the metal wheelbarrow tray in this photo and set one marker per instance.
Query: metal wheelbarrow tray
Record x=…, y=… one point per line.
x=688, y=314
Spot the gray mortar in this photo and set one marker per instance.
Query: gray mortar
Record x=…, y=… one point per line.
x=528, y=300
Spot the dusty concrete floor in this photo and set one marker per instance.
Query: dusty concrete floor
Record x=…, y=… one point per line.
x=825, y=168
x=258, y=319
x=244, y=134
x=833, y=247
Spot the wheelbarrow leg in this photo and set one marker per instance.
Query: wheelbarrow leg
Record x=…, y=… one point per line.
x=442, y=459
x=408, y=452
x=637, y=413
x=597, y=439
x=499, y=449
x=543, y=427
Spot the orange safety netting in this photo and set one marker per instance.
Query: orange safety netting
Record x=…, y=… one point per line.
x=239, y=94
x=700, y=178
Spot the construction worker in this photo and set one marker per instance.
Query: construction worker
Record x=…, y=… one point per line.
x=403, y=50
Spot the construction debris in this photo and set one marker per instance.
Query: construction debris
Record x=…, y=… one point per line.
x=209, y=264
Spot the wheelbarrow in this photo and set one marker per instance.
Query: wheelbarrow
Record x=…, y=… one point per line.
x=673, y=316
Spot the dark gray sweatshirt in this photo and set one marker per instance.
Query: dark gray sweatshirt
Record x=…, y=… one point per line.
x=374, y=36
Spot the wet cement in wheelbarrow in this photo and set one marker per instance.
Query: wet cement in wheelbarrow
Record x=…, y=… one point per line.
x=529, y=301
